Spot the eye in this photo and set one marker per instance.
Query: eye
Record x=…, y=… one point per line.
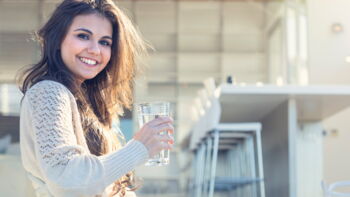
x=83, y=36
x=105, y=43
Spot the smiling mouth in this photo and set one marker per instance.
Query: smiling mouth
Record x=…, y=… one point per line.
x=88, y=61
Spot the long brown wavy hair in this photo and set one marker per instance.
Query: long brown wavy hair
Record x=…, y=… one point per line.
x=101, y=99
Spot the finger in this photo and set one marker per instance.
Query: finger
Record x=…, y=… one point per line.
x=165, y=138
x=160, y=120
x=166, y=146
x=171, y=131
x=163, y=146
x=168, y=128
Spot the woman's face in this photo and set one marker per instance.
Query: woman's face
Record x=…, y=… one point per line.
x=86, y=48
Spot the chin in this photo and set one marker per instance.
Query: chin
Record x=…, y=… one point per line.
x=89, y=77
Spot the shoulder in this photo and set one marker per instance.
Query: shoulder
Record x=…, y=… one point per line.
x=48, y=87
x=48, y=90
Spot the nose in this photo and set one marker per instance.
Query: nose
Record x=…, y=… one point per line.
x=94, y=49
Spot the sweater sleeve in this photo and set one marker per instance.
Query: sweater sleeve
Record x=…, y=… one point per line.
x=66, y=165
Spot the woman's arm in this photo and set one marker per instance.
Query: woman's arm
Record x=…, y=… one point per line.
x=66, y=165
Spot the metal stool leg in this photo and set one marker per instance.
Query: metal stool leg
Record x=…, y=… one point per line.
x=213, y=165
x=199, y=187
x=197, y=169
x=207, y=166
x=260, y=162
x=193, y=179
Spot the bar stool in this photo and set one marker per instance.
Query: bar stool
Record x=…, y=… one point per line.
x=235, y=149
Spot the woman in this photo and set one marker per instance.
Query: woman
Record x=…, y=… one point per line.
x=81, y=83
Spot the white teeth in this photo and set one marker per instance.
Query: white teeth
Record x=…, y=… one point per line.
x=87, y=61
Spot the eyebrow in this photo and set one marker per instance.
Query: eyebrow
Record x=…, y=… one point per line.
x=89, y=32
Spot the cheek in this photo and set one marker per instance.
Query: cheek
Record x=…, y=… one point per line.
x=71, y=46
x=107, y=55
x=65, y=53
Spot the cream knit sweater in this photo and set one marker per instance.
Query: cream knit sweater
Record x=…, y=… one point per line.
x=54, y=151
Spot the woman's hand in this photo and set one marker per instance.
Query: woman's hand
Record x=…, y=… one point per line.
x=149, y=135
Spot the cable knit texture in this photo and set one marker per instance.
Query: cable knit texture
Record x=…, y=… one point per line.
x=54, y=150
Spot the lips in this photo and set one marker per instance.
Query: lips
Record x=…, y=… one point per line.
x=88, y=61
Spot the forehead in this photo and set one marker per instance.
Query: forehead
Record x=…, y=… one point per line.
x=96, y=23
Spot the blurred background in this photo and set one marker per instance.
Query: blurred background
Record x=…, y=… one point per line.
x=240, y=43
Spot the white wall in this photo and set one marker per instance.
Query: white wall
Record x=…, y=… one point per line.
x=327, y=52
x=336, y=148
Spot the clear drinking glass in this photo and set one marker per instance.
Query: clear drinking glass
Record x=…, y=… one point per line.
x=147, y=112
